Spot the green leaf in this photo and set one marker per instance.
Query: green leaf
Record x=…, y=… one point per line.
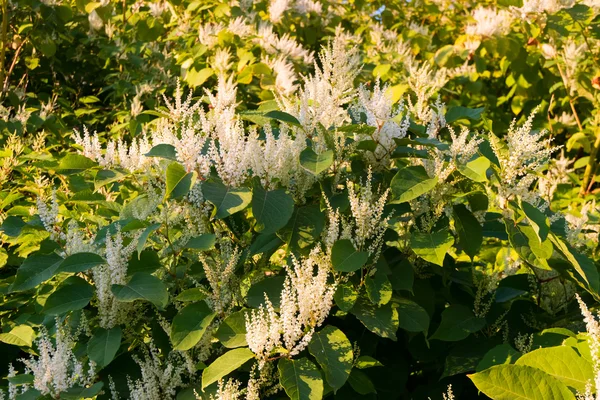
x=345, y=258
x=458, y=322
x=470, y=233
x=74, y=163
x=196, y=78
x=163, y=150
x=300, y=379
x=501, y=354
x=189, y=325
x=458, y=112
x=35, y=270
x=271, y=286
x=74, y=294
x=80, y=262
x=272, y=209
x=345, y=296
x=539, y=222
x=12, y=226
x=379, y=288
x=411, y=316
x=303, y=228
x=179, y=182
x=526, y=243
x=382, y=321
x=360, y=382
x=142, y=286
x=144, y=237
x=410, y=183
x=103, y=346
x=519, y=382
x=563, y=363
x=476, y=169
x=316, y=163
x=227, y=201
x=232, y=331
x=193, y=294
x=203, y=242
x=333, y=351
x=432, y=247
x=365, y=362
x=225, y=365
x=283, y=116
x=584, y=266
x=20, y=335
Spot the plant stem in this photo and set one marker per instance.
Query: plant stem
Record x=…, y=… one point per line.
x=4, y=38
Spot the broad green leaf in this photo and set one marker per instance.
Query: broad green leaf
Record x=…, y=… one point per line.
x=527, y=244
x=345, y=296
x=316, y=163
x=144, y=237
x=20, y=335
x=345, y=258
x=501, y=354
x=382, y=321
x=35, y=270
x=74, y=163
x=410, y=183
x=360, y=382
x=203, y=242
x=73, y=294
x=411, y=316
x=225, y=365
x=193, y=294
x=163, y=150
x=103, y=346
x=189, y=325
x=470, y=233
x=12, y=226
x=142, y=286
x=303, y=228
x=300, y=379
x=365, y=362
x=432, y=247
x=563, y=363
x=458, y=322
x=196, y=78
x=226, y=200
x=476, y=169
x=584, y=266
x=271, y=286
x=272, y=209
x=379, y=288
x=520, y=382
x=179, y=182
x=232, y=331
x=459, y=112
x=80, y=262
x=283, y=116
x=537, y=219
x=333, y=351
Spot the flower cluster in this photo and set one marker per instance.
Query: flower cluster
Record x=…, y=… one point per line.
x=114, y=272
x=306, y=299
x=489, y=22
x=57, y=369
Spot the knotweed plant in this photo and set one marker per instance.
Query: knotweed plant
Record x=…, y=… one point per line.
x=299, y=198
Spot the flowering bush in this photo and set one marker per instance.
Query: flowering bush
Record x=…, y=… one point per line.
x=338, y=199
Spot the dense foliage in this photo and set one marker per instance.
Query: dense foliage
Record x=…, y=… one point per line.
x=299, y=198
